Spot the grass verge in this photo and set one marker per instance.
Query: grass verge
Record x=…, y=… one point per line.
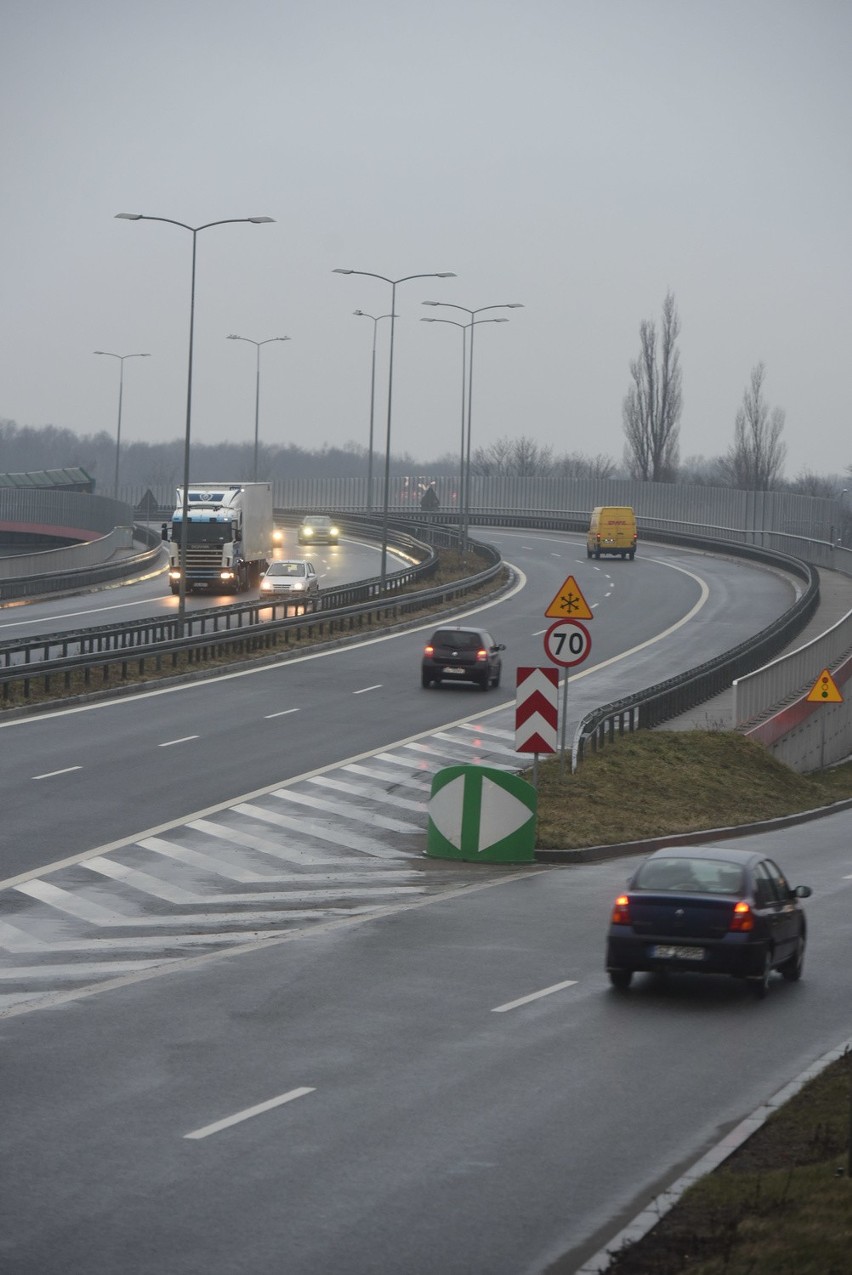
x=780, y=1205
x=659, y=783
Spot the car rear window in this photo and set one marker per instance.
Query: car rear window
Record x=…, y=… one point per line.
x=459, y=641
x=690, y=876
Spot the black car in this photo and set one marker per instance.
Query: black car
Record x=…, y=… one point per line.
x=711, y=910
x=462, y=655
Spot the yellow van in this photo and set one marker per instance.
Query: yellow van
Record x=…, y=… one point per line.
x=612, y=530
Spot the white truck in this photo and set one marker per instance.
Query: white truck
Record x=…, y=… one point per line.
x=229, y=536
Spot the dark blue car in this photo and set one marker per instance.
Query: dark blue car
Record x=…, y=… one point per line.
x=708, y=910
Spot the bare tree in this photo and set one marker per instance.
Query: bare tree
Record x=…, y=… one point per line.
x=573, y=465
x=654, y=402
x=755, y=461
x=512, y=458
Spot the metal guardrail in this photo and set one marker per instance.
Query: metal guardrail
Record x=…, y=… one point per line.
x=101, y=639
x=660, y=703
x=249, y=629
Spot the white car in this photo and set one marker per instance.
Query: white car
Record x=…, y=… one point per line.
x=295, y=577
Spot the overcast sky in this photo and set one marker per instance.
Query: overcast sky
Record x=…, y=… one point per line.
x=582, y=157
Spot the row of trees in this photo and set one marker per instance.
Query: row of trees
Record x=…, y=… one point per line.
x=652, y=410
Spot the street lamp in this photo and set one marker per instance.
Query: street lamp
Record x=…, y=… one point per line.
x=507, y=305
x=464, y=328
x=445, y=274
x=376, y=320
x=194, y=231
x=121, y=357
x=257, y=344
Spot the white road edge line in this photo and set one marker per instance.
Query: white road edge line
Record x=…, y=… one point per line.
x=534, y=996
x=248, y=1113
x=50, y=774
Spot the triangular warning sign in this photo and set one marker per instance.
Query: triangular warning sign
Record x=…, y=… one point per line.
x=569, y=603
x=824, y=690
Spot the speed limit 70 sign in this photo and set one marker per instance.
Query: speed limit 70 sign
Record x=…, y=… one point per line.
x=567, y=642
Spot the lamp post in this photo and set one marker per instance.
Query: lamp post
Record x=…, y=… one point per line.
x=442, y=274
x=257, y=344
x=464, y=328
x=507, y=305
x=194, y=231
x=376, y=320
x=121, y=358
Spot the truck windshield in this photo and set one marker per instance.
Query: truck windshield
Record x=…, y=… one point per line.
x=203, y=533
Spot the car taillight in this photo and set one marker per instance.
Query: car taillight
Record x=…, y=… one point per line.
x=743, y=917
x=621, y=911
x=428, y=650
x=482, y=654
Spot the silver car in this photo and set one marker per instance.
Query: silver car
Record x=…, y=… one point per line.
x=295, y=576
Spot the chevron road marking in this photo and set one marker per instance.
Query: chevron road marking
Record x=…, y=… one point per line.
x=289, y=859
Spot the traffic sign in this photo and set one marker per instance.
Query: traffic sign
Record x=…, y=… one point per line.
x=825, y=690
x=567, y=642
x=536, y=710
x=569, y=603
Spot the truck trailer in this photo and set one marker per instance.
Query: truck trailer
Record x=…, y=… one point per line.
x=229, y=536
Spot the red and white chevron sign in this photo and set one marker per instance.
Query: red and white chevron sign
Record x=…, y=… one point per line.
x=536, y=710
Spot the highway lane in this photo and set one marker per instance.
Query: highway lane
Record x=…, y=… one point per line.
x=150, y=595
x=83, y=777
x=451, y=1089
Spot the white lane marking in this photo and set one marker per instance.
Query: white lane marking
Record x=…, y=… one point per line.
x=347, y=810
x=185, y=740
x=218, y=1125
x=283, y=713
x=51, y=774
x=365, y=689
x=159, y=889
x=534, y=996
x=72, y=615
x=84, y=969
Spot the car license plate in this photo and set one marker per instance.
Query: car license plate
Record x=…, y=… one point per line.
x=451, y=668
x=671, y=952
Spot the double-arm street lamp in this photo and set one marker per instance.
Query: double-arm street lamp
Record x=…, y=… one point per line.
x=121, y=358
x=441, y=274
x=376, y=320
x=464, y=327
x=233, y=337
x=507, y=305
x=194, y=231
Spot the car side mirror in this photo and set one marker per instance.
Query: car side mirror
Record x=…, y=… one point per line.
x=802, y=892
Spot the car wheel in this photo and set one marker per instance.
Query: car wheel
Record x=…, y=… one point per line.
x=621, y=979
x=792, y=967
x=495, y=681
x=485, y=681
x=761, y=981
x=632, y=555
x=588, y=552
x=425, y=681
x=597, y=554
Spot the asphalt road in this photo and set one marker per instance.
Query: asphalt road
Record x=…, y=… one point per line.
x=442, y=1084
x=444, y=1115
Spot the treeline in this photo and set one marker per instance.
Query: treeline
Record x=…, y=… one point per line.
x=25, y=448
